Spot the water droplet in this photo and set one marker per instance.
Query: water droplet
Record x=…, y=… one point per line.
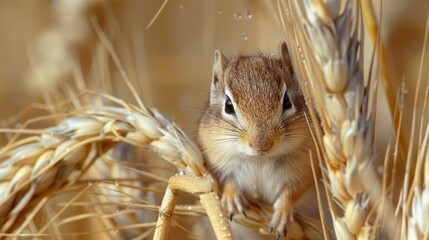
x=90, y=184
x=244, y=36
x=117, y=183
x=188, y=207
x=181, y=7
x=182, y=172
x=216, y=197
x=237, y=16
x=219, y=12
x=389, y=196
x=117, y=210
x=248, y=15
x=220, y=215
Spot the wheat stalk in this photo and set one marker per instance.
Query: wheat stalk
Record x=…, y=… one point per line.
x=347, y=115
x=121, y=185
x=59, y=155
x=327, y=36
x=388, y=75
x=418, y=207
x=414, y=196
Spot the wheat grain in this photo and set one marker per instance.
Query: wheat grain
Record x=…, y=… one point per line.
x=328, y=42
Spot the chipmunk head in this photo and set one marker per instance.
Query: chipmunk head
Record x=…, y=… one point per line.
x=256, y=106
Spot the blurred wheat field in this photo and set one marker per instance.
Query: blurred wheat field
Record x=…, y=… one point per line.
x=51, y=50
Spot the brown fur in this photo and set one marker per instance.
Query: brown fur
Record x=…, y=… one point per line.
x=260, y=152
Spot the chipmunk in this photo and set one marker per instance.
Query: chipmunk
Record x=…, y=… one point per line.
x=254, y=135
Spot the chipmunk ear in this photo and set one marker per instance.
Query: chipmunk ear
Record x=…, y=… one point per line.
x=217, y=77
x=218, y=66
x=285, y=56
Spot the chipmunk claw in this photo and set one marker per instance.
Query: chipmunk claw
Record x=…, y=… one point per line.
x=280, y=221
x=282, y=215
x=233, y=202
x=278, y=234
x=280, y=225
x=230, y=216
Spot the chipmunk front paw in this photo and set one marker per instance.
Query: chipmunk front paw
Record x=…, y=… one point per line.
x=282, y=216
x=233, y=201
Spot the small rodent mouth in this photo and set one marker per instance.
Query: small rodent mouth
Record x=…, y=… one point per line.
x=256, y=153
x=260, y=149
x=272, y=150
x=260, y=153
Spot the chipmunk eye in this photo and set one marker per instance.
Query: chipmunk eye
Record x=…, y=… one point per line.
x=229, y=108
x=286, y=102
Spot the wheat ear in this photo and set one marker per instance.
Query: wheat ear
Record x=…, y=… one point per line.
x=327, y=40
x=60, y=155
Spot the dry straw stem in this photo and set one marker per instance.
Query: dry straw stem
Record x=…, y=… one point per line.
x=418, y=207
x=327, y=38
x=124, y=192
x=414, y=201
x=389, y=81
x=165, y=214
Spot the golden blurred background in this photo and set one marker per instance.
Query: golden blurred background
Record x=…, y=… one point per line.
x=170, y=62
x=44, y=44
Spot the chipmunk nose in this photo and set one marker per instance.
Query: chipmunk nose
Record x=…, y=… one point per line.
x=261, y=147
x=260, y=140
